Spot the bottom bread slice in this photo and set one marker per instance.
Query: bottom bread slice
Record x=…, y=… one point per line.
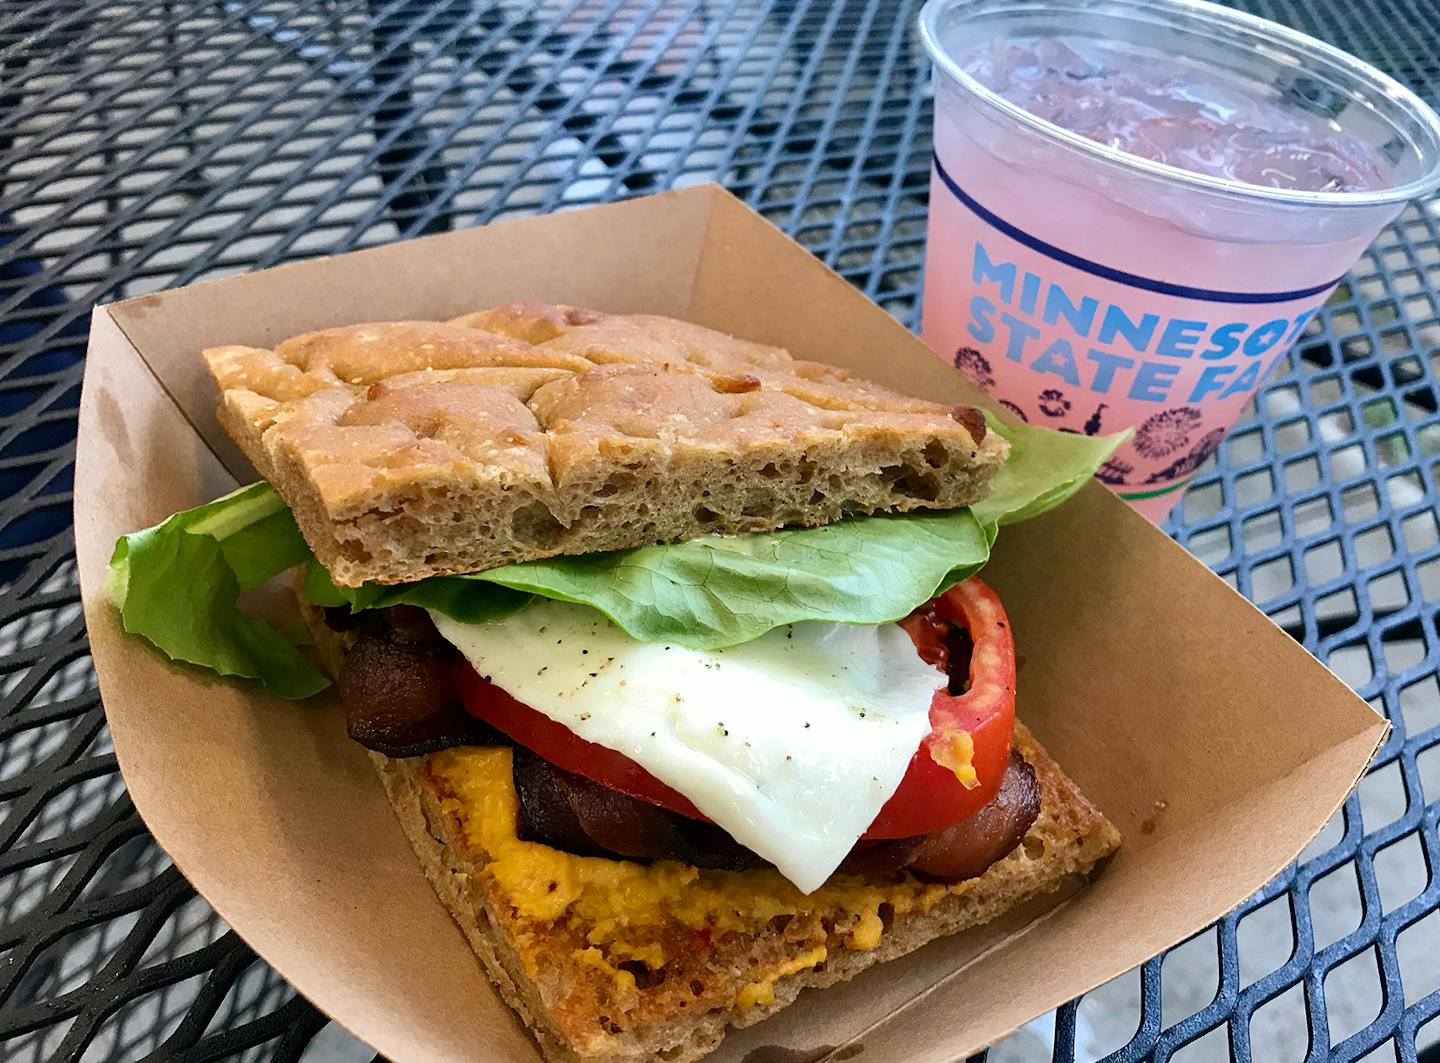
x=609, y=961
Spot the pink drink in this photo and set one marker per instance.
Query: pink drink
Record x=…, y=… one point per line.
x=1120, y=240
x=1182, y=117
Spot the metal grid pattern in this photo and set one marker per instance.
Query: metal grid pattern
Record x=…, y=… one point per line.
x=149, y=143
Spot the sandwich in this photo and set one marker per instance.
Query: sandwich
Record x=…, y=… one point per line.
x=668, y=647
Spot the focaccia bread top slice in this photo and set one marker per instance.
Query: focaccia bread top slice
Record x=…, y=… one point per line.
x=421, y=448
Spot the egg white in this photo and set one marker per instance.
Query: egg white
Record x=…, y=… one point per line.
x=792, y=742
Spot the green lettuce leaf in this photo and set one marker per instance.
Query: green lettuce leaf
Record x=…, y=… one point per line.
x=721, y=591
x=1044, y=468
x=177, y=584
x=465, y=598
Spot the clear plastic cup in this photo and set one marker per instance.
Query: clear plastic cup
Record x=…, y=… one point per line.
x=1090, y=289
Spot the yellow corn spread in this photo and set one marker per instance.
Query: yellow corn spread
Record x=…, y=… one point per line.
x=763, y=991
x=620, y=906
x=959, y=756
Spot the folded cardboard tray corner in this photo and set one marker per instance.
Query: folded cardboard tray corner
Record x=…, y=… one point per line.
x=1213, y=741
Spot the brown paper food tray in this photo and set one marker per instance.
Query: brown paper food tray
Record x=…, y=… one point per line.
x=1216, y=744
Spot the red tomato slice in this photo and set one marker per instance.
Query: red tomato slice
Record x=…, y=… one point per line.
x=932, y=796
x=563, y=747
x=937, y=790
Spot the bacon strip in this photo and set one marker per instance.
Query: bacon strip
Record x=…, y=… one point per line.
x=398, y=688
x=570, y=812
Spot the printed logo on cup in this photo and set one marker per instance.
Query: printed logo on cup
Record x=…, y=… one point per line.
x=1076, y=344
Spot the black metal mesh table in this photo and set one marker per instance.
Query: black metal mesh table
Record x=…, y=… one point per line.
x=150, y=143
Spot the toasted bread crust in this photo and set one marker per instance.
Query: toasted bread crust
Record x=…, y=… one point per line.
x=568, y=1006
x=422, y=448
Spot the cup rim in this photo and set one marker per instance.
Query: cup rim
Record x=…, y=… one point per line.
x=1383, y=83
